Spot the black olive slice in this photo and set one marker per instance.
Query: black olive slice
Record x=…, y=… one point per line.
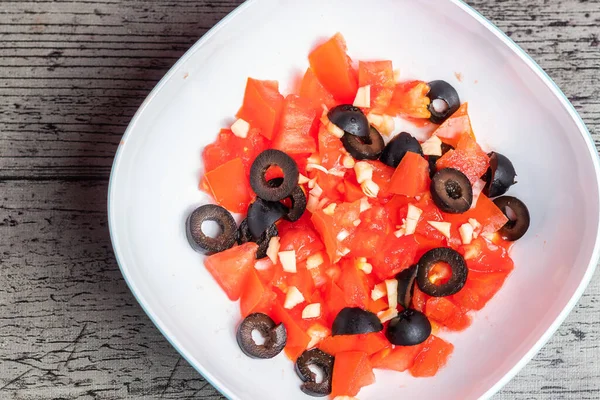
x=406, y=285
x=518, y=217
x=432, y=160
x=261, y=164
x=500, y=176
x=395, y=150
x=318, y=359
x=206, y=244
x=297, y=198
x=451, y=191
x=363, y=148
x=355, y=321
x=245, y=236
x=262, y=214
x=275, y=336
x=457, y=265
x=350, y=119
x=409, y=328
x=444, y=101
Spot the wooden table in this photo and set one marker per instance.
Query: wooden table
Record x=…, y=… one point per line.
x=72, y=75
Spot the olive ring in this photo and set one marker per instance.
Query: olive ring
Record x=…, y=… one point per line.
x=261, y=164
x=203, y=243
x=457, y=265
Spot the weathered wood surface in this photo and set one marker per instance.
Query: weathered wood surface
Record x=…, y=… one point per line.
x=72, y=74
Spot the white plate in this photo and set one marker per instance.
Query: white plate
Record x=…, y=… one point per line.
x=515, y=108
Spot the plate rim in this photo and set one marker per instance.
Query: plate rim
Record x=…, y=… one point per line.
x=490, y=26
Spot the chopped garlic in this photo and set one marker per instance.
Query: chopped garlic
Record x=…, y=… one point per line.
x=410, y=226
x=378, y=292
x=312, y=311
x=364, y=266
x=363, y=97
x=316, y=191
x=313, y=261
x=476, y=227
x=335, y=130
x=397, y=76
x=312, y=204
x=491, y=236
x=273, y=249
x=321, y=168
x=317, y=333
x=348, y=162
x=312, y=183
x=288, y=260
x=432, y=146
x=375, y=119
x=414, y=212
x=337, y=172
x=342, y=235
x=343, y=252
x=370, y=188
x=314, y=159
x=364, y=204
x=443, y=227
x=240, y=128
x=330, y=209
x=345, y=398
x=293, y=297
x=466, y=233
x=323, y=202
x=364, y=171
x=385, y=316
x=357, y=222
x=400, y=232
x=477, y=189
x=302, y=179
x=388, y=126
x=391, y=286
x=471, y=251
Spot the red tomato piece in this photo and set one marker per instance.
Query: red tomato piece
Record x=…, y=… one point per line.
x=334, y=300
x=351, y=371
x=229, y=186
x=330, y=185
x=400, y=358
x=382, y=175
x=479, y=289
x=446, y=313
x=352, y=192
x=256, y=296
x=396, y=255
x=380, y=76
x=485, y=212
x=303, y=240
x=376, y=306
x=312, y=90
x=324, y=225
x=227, y=146
x=482, y=256
x=231, y=267
x=330, y=148
x=297, y=339
x=355, y=287
x=303, y=281
x=455, y=127
x=468, y=158
x=333, y=68
x=410, y=100
x=369, y=343
x=299, y=127
x=372, y=232
x=411, y=177
x=262, y=106
x=432, y=357
x=394, y=206
x=419, y=299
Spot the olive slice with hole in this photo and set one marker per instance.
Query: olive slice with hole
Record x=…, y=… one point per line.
x=452, y=258
x=275, y=336
x=297, y=200
x=244, y=236
x=364, y=148
x=518, y=217
x=444, y=101
x=350, y=119
x=355, y=321
x=451, y=191
x=406, y=285
x=409, y=328
x=317, y=359
x=262, y=214
x=271, y=158
x=500, y=176
x=395, y=150
x=203, y=243
x=432, y=160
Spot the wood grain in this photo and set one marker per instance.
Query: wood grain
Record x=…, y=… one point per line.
x=72, y=74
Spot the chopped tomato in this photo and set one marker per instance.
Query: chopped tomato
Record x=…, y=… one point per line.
x=445, y=312
x=479, y=289
x=432, y=357
x=324, y=225
x=351, y=371
x=334, y=300
x=371, y=233
x=303, y=240
x=394, y=206
x=302, y=280
x=468, y=158
x=400, y=358
x=352, y=192
x=396, y=255
x=485, y=212
x=229, y=186
x=411, y=177
x=410, y=99
x=262, y=106
x=380, y=76
x=382, y=175
x=482, y=256
x=455, y=127
x=330, y=185
x=419, y=299
x=330, y=148
x=297, y=339
x=231, y=267
x=299, y=127
x=369, y=343
x=228, y=146
x=333, y=68
x=355, y=287
x=256, y=296
x=312, y=90
x=376, y=306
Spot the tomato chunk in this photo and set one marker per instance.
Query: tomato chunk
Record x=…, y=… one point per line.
x=228, y=146
x=400, y=358
x=262, y=106
x=299, y=127
x=231, y=267
x=410, y=99
x=396, y=255
x=380, y=76
x=455, y=127
x=333, y=68
x=303, y=240
x=256, y=296
x=479, y=289
x=369, y=343
x=445, y=312
x=434, y=355
x=485, y=212
x=411, y=177
x=468, y=158
x=355, y=287
x=351, y=371
x=297, y=339
x=312, y=90
x=229, y=186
